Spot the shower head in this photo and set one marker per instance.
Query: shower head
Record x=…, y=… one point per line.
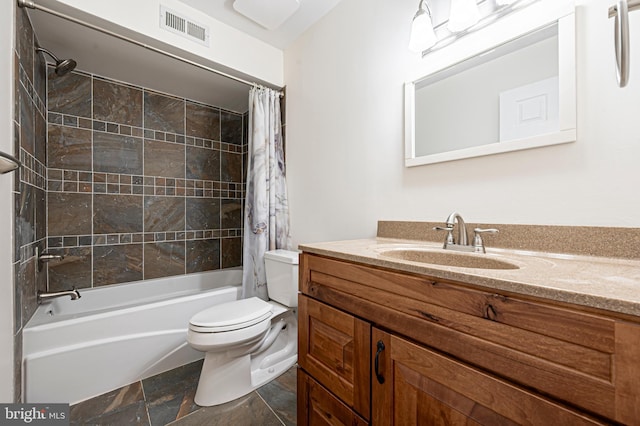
x=63, y=66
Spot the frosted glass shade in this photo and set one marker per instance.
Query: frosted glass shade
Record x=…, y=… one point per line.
x=422, y=33
x=463, y=14
x=505, y=2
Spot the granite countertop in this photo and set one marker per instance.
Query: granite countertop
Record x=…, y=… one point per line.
x=611, y=284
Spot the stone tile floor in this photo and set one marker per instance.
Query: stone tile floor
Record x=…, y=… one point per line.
x=168, y=399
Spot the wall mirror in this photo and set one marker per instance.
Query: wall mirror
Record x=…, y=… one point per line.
x=510, y=89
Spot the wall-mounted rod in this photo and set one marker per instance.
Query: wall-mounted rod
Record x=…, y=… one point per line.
x=620, y=11
x=32, y=5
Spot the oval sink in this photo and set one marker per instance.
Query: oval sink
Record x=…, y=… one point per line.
x=448, y=259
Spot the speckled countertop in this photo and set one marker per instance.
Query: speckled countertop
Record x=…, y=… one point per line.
x=605, y=283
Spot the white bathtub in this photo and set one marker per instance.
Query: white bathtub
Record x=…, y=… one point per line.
x=113, y=336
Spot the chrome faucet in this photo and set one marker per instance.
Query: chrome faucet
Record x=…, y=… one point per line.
x=42, y=297
x=462, y=243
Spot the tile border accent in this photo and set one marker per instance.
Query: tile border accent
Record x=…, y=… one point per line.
x=74, y=241
x=67, y=180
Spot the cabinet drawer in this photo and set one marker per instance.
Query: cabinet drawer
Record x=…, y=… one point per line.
x=333, y=347
x=317, y=406
x=572, y=355
x=424, y=387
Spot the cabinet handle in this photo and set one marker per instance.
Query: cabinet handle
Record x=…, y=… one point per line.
x=380, y=348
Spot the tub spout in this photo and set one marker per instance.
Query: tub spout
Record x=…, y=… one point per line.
x=73, y=293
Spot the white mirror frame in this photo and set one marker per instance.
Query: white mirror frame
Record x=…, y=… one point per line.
x=523, y=22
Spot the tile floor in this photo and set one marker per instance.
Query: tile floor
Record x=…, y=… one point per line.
x=168, y=399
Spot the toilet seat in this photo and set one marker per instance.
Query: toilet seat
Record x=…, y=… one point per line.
x=231, y=316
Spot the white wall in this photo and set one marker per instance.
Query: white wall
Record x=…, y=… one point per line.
x=345, y=136
x=6, y=205
x=230, y=50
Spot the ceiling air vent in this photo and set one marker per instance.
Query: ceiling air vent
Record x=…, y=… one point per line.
x=184, y=26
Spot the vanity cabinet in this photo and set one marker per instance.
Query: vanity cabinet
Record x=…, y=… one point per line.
x=456, y=353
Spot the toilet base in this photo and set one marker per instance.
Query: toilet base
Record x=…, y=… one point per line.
x=225, y=377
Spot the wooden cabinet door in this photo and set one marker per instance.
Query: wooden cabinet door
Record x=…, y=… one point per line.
x=317, y=406
x=333, y=347
x=423, y=387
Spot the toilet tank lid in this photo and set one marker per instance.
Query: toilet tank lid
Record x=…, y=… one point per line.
x=286, y=256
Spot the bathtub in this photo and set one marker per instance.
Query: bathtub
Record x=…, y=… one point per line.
x=113, y=336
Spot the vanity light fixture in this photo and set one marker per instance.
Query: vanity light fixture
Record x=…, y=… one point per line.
x=422, y=34
x=465, y=17
x=463, y=14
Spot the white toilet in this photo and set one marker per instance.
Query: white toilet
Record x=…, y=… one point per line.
x=248, y=342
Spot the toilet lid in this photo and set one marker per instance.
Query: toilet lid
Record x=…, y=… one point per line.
x=231, y=315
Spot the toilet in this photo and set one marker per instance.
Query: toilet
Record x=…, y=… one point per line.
x=248, y=342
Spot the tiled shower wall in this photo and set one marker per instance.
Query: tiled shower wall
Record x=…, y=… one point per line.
x=140, y=184
x=30, y=130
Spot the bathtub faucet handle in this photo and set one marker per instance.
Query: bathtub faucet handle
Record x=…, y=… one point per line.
x=46, y=258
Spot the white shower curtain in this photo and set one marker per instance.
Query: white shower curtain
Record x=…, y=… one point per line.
x=266, y=218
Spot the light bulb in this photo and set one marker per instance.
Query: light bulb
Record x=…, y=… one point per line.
x=463, y=14
x=422, y=33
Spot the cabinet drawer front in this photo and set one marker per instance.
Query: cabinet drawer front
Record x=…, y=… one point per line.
x=317, y=406
x=334, y=348
x=563, y=352
x=429, y=388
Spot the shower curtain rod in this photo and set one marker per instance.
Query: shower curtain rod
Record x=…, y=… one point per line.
x=32, y=5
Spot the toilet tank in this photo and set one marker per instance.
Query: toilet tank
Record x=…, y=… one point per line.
x=282, y=276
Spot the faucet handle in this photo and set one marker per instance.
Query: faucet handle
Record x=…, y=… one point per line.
x=449, y=239
x=478, y=244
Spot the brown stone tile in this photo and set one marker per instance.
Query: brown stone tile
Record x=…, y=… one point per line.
x=69, y=148
x=163, y=214
x=280, y=395
x=169, y=395
x=117, y=264
x=68, y=214
x=231, y=213
x=203, y=163
x=114, y=153
x=72, y=271
x=117, y=213
x=203, y=213
x=163, y=113
x=203, y=255
x=203, y=121
x=27, y=125
x=247, y=410
x=231, y=167
x=40, y=138
x=27, y=286
x=70, y=94
x=163, y=159
x=124, y=406
x=40, y=204
x=24, y=41
x=231, y=252
x=24, y=216
x=117, y=103
x=163, y=259
x=231, y=128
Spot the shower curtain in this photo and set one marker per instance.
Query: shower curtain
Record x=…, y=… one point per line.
x=266, y=218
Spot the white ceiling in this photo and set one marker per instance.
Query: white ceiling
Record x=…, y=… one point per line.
x=107, y=56
x=309, y=12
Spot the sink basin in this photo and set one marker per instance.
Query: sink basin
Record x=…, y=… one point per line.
x=459, y=260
